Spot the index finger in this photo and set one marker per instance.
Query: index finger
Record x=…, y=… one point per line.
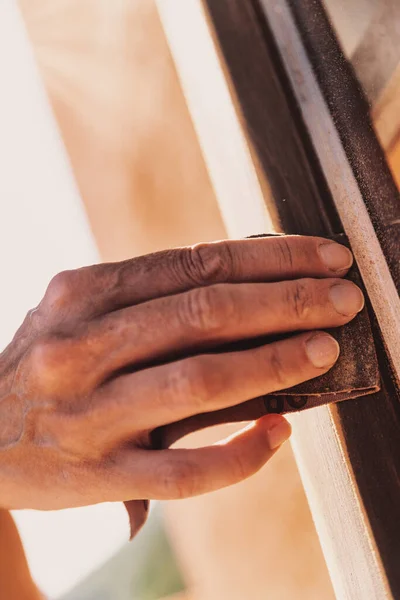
x=111, y=286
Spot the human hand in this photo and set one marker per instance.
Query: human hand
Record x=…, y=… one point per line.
x=115, y=351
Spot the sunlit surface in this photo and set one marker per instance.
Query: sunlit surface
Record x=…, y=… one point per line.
x=369, y=33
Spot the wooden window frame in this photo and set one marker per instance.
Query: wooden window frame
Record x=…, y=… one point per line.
x=283, y=123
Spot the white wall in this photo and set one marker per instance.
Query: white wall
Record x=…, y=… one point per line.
x=43, y=230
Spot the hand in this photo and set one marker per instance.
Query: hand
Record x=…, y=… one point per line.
x=114, y=351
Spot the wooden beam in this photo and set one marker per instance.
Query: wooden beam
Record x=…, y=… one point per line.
x=345, y=143
x=214, y=116
x=348, y=455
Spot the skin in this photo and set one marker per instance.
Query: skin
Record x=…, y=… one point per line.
x=114, y=351
x=12, y=560
x=124, y=154
x=141, y=203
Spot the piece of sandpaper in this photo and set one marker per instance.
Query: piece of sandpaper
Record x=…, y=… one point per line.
x=355, y=374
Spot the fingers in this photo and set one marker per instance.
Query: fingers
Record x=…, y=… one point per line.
x=172, y=392
x=210, y=316
x=99, y=289
x=175, y=474
x=135, y=404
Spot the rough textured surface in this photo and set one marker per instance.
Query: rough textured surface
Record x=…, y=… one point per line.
x=368, y=427
x=351, y=112
x=353, y=375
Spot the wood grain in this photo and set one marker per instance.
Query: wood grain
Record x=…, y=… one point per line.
x=353, y=376
x=211, y=522
x=113, y=87
x=348, y=456
x=215, y=117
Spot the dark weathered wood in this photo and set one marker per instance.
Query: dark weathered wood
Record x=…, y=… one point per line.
x=369, y=35
x=351, y=112
x=338, y=385
x=370, y=426
x=272, y=120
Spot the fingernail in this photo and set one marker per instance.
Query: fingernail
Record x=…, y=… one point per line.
x=347, y=298
x=322, y=350
x=335, y=256
x=279, y=433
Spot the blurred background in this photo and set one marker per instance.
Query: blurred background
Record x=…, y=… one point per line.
x=99, y=161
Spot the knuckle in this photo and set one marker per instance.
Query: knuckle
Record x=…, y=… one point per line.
x=277, y=369
x=76, y=436
x=300, y=299
x=284, y=253
x=188, y=382
x=32, y=318
x=239, y=466
x=60, y=289
x=205, y=309
x=209, y=263
x=42, y=355
x=45, y=362
x=178, y=478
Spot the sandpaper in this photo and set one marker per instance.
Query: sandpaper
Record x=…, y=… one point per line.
x=355, y=374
